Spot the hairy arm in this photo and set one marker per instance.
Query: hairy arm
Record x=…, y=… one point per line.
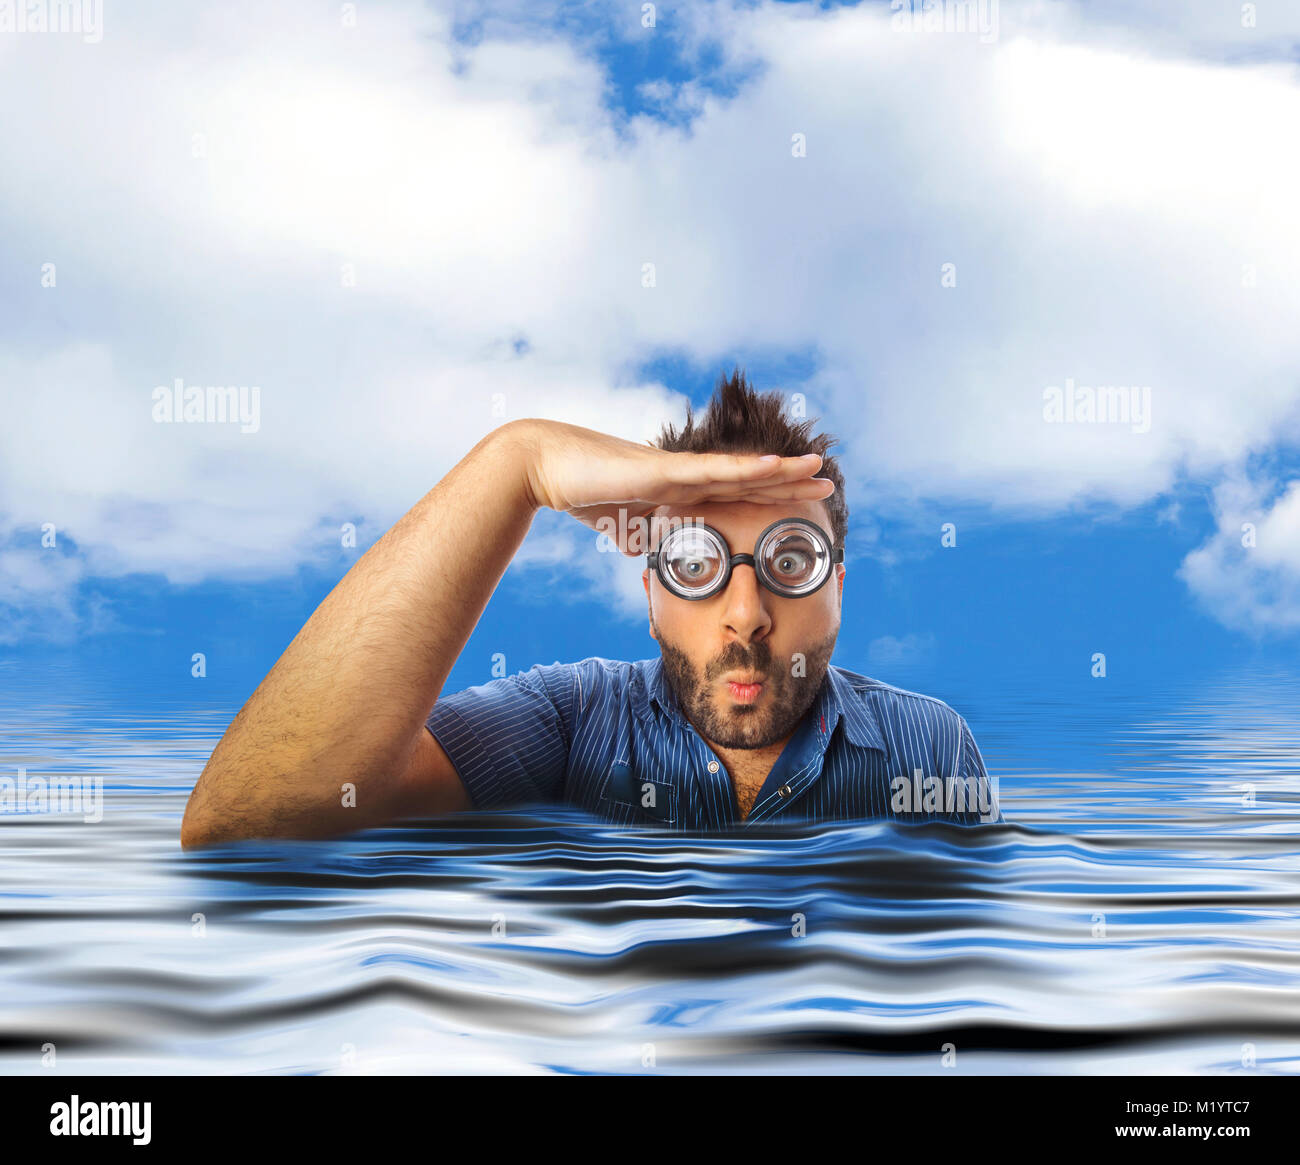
x=346, y=704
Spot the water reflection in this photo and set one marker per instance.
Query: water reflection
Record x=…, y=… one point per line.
x=1139, y=915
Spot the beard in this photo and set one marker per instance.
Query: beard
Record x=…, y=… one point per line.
x=784, y=702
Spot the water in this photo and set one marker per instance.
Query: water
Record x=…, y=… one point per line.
x=1137, y=916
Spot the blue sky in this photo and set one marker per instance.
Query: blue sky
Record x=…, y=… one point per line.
x=406, y=231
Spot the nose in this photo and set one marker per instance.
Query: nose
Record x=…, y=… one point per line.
x=744, y=609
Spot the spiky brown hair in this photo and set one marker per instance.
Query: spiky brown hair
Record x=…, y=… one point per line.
x=739, y=420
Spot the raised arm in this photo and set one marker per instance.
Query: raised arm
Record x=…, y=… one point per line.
x=333, y=739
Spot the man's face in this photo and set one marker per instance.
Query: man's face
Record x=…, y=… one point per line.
x=745, y=630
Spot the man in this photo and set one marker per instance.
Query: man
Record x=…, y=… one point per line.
x=742, y=720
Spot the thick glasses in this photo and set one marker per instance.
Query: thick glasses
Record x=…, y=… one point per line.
x=792, y=558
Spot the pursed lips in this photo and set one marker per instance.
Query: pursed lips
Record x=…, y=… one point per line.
x=746, y=688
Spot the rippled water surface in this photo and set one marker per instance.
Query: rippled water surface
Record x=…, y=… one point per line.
x=1138, y=915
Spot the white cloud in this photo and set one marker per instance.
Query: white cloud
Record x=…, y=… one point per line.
x=893, y=650
x=1248, y=574
x=582, y=567
x=1101, y=207
x=37, y=590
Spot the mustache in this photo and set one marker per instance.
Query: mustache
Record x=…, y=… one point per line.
x=735, y=657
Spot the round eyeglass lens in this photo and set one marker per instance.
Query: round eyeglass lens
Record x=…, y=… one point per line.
x=795, y=557
x=693, y=559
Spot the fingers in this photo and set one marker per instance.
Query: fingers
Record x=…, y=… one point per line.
x=812, y=490
x=740, y=468
x=815, y=489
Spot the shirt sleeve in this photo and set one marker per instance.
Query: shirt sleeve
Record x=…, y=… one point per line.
x=509, y=738
x=976, y=778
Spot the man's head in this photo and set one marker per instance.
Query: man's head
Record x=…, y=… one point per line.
x=745, y=630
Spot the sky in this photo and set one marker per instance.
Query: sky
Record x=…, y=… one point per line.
x=404, y=224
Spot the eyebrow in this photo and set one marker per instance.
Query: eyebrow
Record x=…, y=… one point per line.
x=658, y=541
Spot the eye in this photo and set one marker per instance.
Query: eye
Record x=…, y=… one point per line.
x=792, y=562
x=694, y=562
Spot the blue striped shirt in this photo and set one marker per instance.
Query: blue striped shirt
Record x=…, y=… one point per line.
x=610, y=737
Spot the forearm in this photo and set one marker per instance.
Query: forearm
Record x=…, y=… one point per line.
x=347, y=701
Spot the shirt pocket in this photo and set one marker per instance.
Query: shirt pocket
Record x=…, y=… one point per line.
x=627, y=799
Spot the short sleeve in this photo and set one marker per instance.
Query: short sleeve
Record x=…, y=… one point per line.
x=509, y=738
x=976, y=779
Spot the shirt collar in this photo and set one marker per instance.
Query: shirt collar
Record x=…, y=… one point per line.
x=860, y=724
x=835, y=699
x=655, y=687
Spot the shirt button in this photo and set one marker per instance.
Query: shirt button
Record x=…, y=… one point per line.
x=713, y=766
x=783, y=791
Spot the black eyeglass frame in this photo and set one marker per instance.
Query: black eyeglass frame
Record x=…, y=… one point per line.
x=836, y=554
